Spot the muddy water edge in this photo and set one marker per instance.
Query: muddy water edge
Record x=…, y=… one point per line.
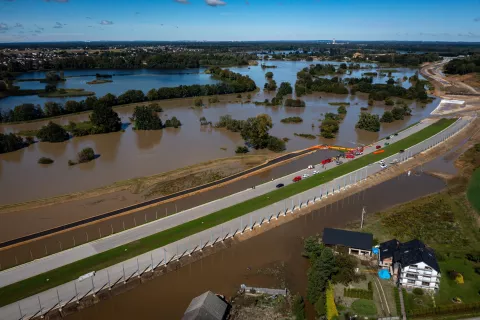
x=271, y=259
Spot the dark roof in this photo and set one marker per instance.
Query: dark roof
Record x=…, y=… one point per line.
x=388, y=248
x=206, y=307
x=351, y=239
x=408, y=253
x=416, y=251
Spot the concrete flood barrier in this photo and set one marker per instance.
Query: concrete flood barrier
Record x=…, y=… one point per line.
x=56, y=299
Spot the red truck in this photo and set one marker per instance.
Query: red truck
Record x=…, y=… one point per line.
x=297, y=178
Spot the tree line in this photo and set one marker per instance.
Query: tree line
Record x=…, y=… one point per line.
x=125, y=60
x=463, y=66
x=381, y=91
x=232, y=83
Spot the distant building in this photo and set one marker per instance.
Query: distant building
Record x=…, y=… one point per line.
x=358, y=243
x=207, y=306
x=412, y=264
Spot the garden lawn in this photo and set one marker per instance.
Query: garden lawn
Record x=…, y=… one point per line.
x=468, y=291
x=364, y=307
x=36, y=284
x=473, y=191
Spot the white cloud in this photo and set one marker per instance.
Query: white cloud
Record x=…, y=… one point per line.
x=182, y=1
x=3, y=27
x=215, y=3
x=106, y=22
x=58, y=25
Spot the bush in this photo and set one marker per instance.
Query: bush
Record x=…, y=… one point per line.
x=29, y=140
x=417, y=291
x=474, y=256
x=156, y=107
x=44, y=160
x=174, y=122
x=241, y=149
x=52, y=132
x=198, y=102
x=298, y=307
x=330, y=303
x=389, y=101
x=86, y=155
x=371, y=102
x=269, y=75
x=297, y=103
x=342, y=110
x=292, y=120
x=275, y=144
x=320, y=307
x=387, y=117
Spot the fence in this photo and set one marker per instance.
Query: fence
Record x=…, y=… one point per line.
x=74, y=291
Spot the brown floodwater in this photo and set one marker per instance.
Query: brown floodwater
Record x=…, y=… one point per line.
x=17, y=224
x=167, y=296
x=130, y=154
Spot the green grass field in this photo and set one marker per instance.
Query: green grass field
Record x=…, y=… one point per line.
x=473, y=191
x=72, y=271
x=449, y=289
x=364, y=307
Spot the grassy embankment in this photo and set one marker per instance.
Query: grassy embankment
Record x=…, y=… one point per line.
x=447, y=222
x=102, y=260
x=84, y=125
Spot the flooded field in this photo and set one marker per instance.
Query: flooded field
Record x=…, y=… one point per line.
x=129, y=154
x=270, y=259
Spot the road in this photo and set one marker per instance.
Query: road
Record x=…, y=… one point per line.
x=135, y=266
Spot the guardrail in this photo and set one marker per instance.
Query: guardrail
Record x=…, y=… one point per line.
x=53, y=300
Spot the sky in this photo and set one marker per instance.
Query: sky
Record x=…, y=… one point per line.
x=239, y=20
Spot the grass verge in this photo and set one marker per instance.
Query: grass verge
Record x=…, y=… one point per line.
x=36, y=284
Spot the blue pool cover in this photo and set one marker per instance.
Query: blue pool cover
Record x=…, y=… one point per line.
x=375, y=250
x=384, y=274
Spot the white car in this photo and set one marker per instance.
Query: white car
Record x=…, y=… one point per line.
x=305, y=176
x=383, y=165
x=310, y=167
x=315, y=171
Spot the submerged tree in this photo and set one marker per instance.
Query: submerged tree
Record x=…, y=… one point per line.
x=52, y=132
x=146, y=119
x=104, y=119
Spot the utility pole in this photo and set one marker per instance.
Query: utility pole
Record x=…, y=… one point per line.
x=363, y=215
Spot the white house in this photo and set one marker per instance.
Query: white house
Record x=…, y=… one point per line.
x=412, y=264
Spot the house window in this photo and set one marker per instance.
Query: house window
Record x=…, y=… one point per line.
x=413, y=266
x=411, y=275
x=426, y=284
x=428, y=268
x=411, y=281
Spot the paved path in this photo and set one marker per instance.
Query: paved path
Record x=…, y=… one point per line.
x=402, y=304
x=51, y=262
x=73, y=290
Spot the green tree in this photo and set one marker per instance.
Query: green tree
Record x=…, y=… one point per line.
x=10, y=142
x=342, y=110
x=146, y=119
x=90, y=102
x=86, y=155
x=108, y=100
x=275, y=144
x=104, y=119
x=387, y=117
x=312, y=249
x=391, y=81
x=284, y=89
x=198, y=102
x=269, y=75
x=255, y=130
x=52, y=132
x=398, y=113
x=152, y=94
x=320, y=306
x=241, y=149
x=369, y=122
x=73, y=106
x=298, y=307
x=52, y=109
x=389, y=102
x=174, y=122
x=26, y=112
x=345, y=266
x=131, y=96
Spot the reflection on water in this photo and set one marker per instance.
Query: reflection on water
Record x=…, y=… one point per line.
x=224, y=271
x=130, y=154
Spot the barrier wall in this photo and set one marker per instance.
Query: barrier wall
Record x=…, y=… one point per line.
x=54, y=299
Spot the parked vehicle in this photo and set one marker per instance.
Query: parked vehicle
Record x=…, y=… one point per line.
x=315, y=171
x=401, y=151
x=339, y=163
x=387, y=144
x=280, y=185
x=350, y=156
x=383, y=166
x=378, y=147
x=305, y=176
x=395, y=134
x=310, y=167
x=324, y=162
x=297, y=178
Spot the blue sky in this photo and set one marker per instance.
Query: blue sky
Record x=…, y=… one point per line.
x=64, y=20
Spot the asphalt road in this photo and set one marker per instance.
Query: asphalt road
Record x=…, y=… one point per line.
x=132, y=267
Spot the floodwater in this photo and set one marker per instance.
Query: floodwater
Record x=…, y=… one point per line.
x=45, y=218
x=168, y=296
x=130, y=154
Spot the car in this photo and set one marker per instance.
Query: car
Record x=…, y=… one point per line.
x=387, y=144
x=395, y=134
x=297, y=178
x=383, y=165
x=401, y=151
x=378, y=147
x=387, y=138
x=339, y=163
x=315, y=171
x=280, y=185
x=324, y=162
x=310, y=167
x=350, y=156
x=391, y=137
x=305, y=176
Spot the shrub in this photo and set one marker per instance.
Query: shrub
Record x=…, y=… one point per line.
x=275, y=144
x=474, y=256
x=363, y=108
x=241, y=149
x=297, y=103
x=29, y=140
x=389, y=101
x=305, y=135
x=156, y=107
x=369, y=122
x=358, y=293
x=320, y=306
x=387, y=117
x=249, y=96
x=52, y=132
x=371, y=102
x=174, y=122
x=342, y=110
x=332, y=311
x=292, y=120
x=45, y=160
x=418, y=291
x=298, y=307
x=86, y=155
x=198, y=102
